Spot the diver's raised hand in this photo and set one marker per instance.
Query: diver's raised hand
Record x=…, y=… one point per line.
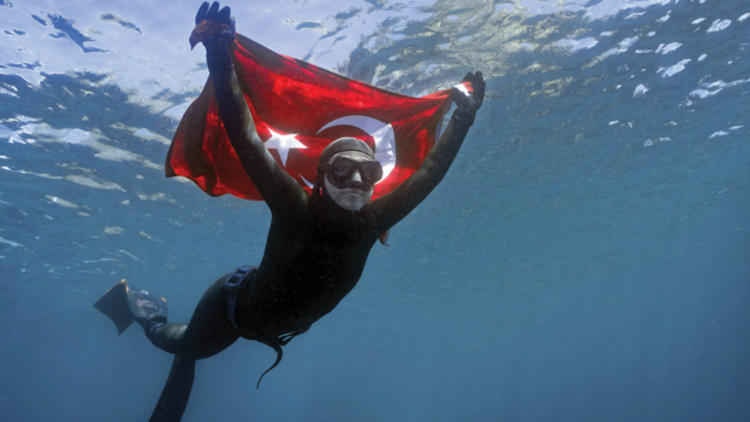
x=213, y=27
x=467, y=103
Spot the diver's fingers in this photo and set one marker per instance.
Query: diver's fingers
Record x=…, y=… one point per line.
x=471, y=101
x=213, y=10
x=479, y=79
x=213, y=13
x=224, y=14
x=201, y=13
x=479, y=86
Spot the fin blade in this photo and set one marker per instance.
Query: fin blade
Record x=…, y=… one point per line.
x=114, y=304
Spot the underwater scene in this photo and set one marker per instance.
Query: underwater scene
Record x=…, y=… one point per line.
x=585, y=258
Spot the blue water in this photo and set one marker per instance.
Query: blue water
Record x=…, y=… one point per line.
x=586, y=258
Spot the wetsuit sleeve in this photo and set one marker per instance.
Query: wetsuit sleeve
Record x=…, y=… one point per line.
x=278, y=188
x=389, y=209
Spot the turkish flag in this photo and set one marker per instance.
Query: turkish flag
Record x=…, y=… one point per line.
x=298, y=109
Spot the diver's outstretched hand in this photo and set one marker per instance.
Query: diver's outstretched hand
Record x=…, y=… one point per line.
x=214, y=28
x=467, y=103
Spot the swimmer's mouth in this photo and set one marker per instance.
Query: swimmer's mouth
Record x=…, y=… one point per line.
x=356, y=187
x=354, y=192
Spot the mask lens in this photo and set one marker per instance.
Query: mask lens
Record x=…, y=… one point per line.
x=342, y=167
x=371, y=171
x=340, y=172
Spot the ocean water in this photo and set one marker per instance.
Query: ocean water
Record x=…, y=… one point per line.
x=587, y=257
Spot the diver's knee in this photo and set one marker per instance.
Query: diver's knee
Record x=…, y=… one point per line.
x=153, y=331
x=152, y=328
x=166, y=336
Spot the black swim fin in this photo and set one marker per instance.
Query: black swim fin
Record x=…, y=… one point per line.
x=146, y=307
x=123, y=305
x=114, y=304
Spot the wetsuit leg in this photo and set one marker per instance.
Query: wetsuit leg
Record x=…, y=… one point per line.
x=208, y=332
x=174, y=397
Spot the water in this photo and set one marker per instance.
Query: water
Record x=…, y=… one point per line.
x=586, y=258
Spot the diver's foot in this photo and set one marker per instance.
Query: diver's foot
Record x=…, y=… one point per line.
x=145, y=307
x=124, y=304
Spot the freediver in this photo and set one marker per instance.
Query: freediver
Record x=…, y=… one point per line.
x=317, y=245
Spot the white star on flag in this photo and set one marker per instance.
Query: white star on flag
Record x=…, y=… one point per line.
x=283, y=143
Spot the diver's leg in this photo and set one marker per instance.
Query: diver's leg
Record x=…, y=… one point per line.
x=174, y=397
x=208, y=332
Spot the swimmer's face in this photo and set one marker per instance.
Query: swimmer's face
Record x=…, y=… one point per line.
x=354, y=197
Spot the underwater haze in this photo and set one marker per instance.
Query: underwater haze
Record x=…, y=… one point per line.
x=586, y=258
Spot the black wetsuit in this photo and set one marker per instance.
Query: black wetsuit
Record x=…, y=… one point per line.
x=315, y=252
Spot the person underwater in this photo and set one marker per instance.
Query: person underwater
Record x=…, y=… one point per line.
x=317, y=243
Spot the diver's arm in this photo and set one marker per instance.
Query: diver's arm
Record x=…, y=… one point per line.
x=391, y=208
x=278, y=188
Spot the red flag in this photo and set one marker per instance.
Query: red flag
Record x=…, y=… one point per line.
x=298, y=109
